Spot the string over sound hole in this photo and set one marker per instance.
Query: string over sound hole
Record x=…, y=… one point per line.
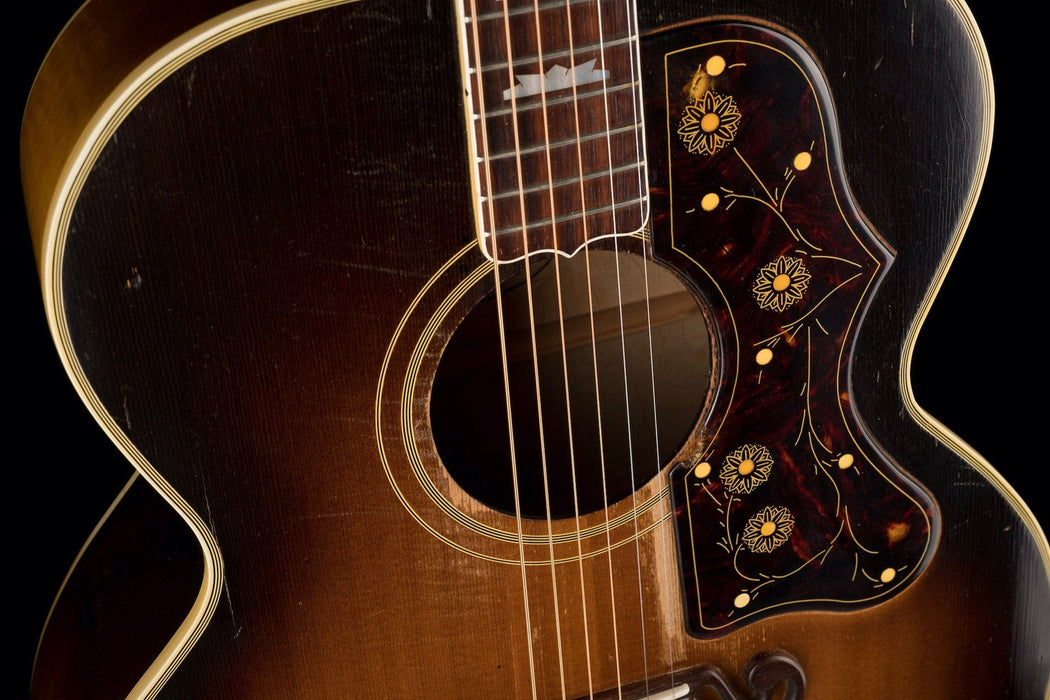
x=624, y=354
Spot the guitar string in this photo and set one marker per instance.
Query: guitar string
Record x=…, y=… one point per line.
x=666, y=560
x=601, y=462
x=631, y=10
x=667, y=551
x=597, y=392
x=564, y=358
x=630, y=462
x=503, y=339
x=623, y=346
x=532, y=313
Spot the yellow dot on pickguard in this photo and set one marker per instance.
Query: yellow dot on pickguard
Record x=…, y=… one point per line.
x=768, y=529
x=887, y=575
x=803, y=160
x=746, y=467
x=709, y=122
x=781, y=282
x=702, y=470
x=741, y=600
x=764, y=356
x=709, y=202
x=846, y=461
x=895, y=532
x=715, y=65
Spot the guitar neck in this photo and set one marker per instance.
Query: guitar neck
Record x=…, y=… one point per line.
x=555, y=114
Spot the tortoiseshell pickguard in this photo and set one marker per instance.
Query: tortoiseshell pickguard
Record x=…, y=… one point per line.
x=787, y=502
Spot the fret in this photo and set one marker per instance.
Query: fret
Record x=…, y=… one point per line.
x=571, y=141
x=498, y=14
x=481, y=7
x=599, y=155
x=497, y=100
x=546, y=186
x=565, y=201
x=569, y=232
x=570, y=200
x=559, y=54
x=494, y=9
x=597, y=112
x=554, y=27
x=592, y=155
x=554, y=30
x=572, y=216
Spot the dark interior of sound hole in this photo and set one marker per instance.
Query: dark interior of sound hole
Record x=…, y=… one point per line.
x=610, y=429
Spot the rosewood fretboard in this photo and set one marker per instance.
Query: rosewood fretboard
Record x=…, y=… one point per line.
x=556, y=112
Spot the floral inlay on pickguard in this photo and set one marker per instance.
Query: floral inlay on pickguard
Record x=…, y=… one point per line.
x=786, y=503
x=781, y=283
x=709, y=124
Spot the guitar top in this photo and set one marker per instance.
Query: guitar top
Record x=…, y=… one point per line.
x=522, y=349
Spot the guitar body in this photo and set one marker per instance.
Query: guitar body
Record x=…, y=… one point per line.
x=256, y=235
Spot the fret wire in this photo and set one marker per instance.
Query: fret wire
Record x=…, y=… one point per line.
x=596, y=92
x=565, y=142
x=603, y=172
x=525, y=9
x=575, y=215
x=562, y=53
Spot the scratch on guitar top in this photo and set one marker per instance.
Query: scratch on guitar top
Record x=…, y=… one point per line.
x=225, y=578
x=207, y=505
x=229, y=602
x=191, y=80
x=317, y=516
x=961, y=524
x=346, y=264
x=127, y=414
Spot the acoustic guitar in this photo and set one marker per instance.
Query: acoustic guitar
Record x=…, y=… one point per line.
x=522, y=349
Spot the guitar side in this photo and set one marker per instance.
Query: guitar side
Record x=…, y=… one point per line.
x=879, y=395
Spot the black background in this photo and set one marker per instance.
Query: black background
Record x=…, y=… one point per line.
x=978, y=364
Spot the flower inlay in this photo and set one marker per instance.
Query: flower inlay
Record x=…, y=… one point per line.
x=769, y=529
x=781, y=283
x=745, y=468
x=709, y=124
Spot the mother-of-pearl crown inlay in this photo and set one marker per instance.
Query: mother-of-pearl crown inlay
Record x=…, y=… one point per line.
x=557, y=78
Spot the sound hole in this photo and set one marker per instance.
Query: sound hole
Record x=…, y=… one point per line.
x=604, y=423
